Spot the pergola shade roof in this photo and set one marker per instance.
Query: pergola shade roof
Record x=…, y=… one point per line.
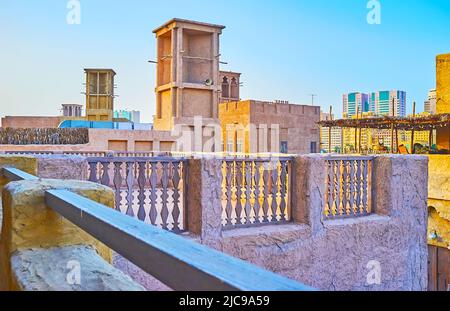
x=423, y=123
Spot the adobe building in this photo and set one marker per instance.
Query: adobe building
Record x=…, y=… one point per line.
x=443, y=98
x=252, y=126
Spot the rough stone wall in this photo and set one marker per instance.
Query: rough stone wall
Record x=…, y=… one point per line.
x=62, y=167
x=341, y=254
x=43, y=136
x=46, y=270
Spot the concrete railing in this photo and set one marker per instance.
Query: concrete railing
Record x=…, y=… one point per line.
x=48, y=221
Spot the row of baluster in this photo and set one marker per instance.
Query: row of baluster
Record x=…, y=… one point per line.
x=255, y=192
x=348, y=188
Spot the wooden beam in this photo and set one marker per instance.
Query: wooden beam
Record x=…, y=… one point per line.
x=356, y=129
x=329, y=130
x=412, y=132
x=176, y=261
x=392, y=126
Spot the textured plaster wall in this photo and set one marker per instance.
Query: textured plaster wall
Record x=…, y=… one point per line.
x=46, y=270
x=62, y=167
x=334, y=254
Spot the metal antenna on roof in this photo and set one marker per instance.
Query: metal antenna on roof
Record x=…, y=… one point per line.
x=312, y=98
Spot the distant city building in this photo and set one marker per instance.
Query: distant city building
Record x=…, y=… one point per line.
x=430, y=103
x=72, y=110
x=336, y=136
x=353, y=100
x=131, y=115
x=381, y=103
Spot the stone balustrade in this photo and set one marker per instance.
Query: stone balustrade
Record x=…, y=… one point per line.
x=326, y=253
x=329, y=254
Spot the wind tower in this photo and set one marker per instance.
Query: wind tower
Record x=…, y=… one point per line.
x=188, y=83
x=99, y=94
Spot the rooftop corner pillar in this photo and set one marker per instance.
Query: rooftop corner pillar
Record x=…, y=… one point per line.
x=308, y=194
x=30, y=225
x=27, y=164
x=204, y=203
x=400, y=185
x=400, y=191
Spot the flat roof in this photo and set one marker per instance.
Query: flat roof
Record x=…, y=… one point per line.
x=187, y=21
x=230, y=72
x=99, y=69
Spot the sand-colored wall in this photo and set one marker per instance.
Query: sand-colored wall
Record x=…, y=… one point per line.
x=443, y=83
x=295, y=124
x=439, y=200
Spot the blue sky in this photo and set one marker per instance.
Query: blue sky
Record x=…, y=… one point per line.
x=285, y=49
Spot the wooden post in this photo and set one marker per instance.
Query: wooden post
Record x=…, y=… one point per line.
x=356, y=129
x=396, y=139
x=329, y=130
x=412, y=132
x=360, y=133
x=430, y=139
x=392, y=126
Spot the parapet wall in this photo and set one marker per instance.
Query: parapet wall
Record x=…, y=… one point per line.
x=386, y=250
x=43, y=136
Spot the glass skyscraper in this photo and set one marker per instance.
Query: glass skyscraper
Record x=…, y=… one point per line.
x=381, y=103
x=353, y=100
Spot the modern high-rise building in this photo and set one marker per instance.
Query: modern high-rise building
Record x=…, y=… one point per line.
x=430, y=103
x=131, y=115
x=353, y=100
x=381, y=103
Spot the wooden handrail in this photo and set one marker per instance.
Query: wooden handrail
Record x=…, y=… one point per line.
x=14, y=174
x=177, y=262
